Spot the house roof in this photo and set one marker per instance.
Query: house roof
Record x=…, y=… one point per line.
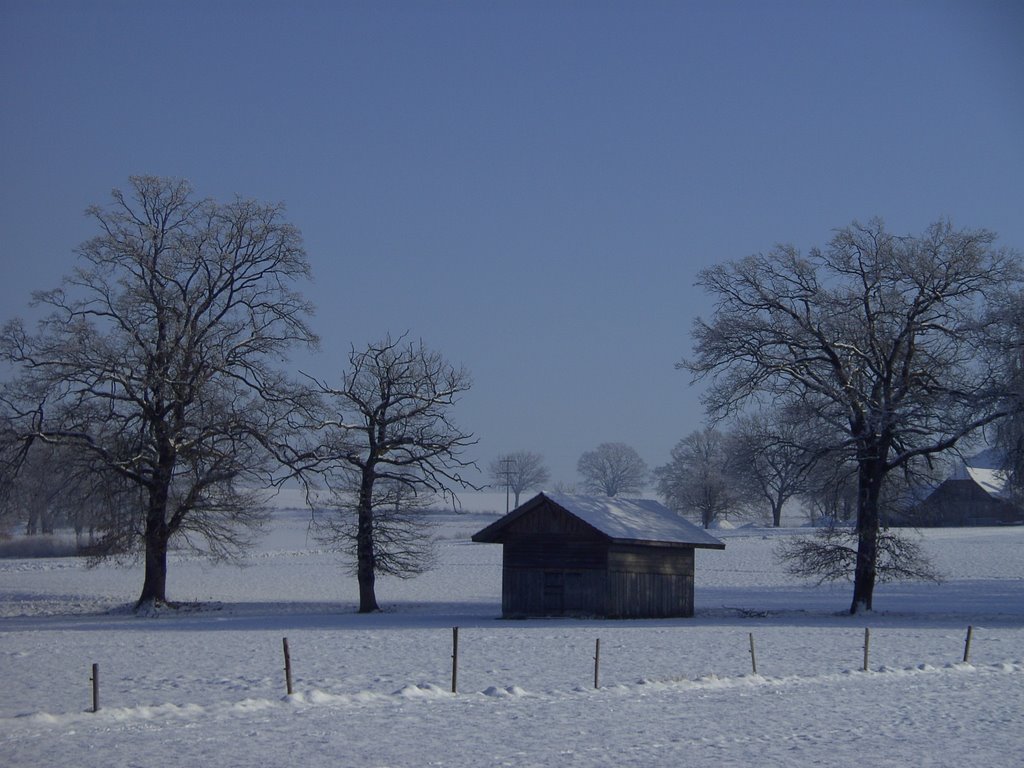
x=985, y=469
x=638, y=521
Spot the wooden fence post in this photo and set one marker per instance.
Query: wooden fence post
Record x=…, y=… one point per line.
x=95, y=687
x=287, y=667
x=455, y=659
x=753, y=656
x=967, y=644
x=597, y=663
x=867, y=646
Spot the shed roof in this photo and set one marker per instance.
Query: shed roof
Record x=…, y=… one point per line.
x=639, y=521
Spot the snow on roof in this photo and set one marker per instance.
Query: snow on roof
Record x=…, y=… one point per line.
x=624, y=519
x=986, y=470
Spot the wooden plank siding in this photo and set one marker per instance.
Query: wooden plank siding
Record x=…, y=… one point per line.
x=649, y=595
x=552, y=592
x=563, y=552
x=549, y=520
x=654, y=582
x=553, y=576
x=666, y=560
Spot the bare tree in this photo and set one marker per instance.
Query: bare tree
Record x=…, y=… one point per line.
x=399, y=445
x=830, y=491
x=56, y=487
x=36, y=490
x=156, y=361
x=1005, y=336
x=1009, y=438
x=403, y=540
x=877, y=333
x=831, y=555
x=519, y=471
x=770, y=453
x=106, y=505
x=611, y=469
x=696, y=479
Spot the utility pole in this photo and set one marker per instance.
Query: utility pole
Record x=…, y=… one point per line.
x=507, y=461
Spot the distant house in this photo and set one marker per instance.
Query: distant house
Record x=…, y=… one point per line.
x=974, y=494
x=596, y=556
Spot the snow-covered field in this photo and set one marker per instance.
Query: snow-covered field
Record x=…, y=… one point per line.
x=205, y=686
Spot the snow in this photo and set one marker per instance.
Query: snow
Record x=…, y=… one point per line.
x=985, y=469
x=204, y=685
x=629, y=520
x=634, y=519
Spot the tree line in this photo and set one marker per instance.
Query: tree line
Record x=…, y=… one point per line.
x=151, y=399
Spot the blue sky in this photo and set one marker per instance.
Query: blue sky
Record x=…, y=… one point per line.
x=531, y=188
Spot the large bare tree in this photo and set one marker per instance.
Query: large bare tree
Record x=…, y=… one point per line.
x=519, y=471
x=394, y=443
x=611, y=469
x=157, y=359
x=876, y=334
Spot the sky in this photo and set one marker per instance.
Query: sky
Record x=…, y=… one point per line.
x=531, y=188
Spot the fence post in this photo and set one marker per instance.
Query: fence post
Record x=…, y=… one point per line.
x=95, y=687
x=597, y=663
x=455, y=659
x=867, y=646
x=287, y=667
x=753, y=656
x=967, y=644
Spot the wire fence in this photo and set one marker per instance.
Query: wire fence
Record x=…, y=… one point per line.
x=594, y=662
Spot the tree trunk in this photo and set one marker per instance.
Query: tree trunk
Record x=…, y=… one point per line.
x=776, y=514
x=365, y=559
x=870, y=475
x=154, y=585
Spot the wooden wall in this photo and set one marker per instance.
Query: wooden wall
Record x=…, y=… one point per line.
x=552, y=592
x=649, y=582
x=634, y=595
x=553, y=564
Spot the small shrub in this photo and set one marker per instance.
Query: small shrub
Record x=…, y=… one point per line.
x=831, y=555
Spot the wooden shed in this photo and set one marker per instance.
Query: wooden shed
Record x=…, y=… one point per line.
x=596, y=556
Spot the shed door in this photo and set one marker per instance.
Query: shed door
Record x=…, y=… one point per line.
x=563, y=594
x=554, y=592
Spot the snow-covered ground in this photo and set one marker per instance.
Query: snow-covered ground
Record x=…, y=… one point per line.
x=205, y=686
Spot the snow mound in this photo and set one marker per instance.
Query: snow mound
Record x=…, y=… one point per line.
x=422, y=691
x=512, y=691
